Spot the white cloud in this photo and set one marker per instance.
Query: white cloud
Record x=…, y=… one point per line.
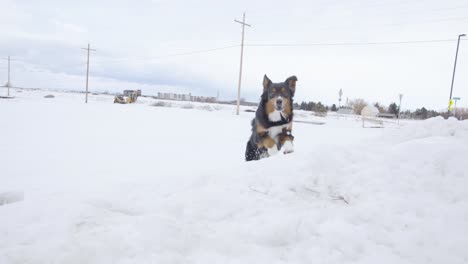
x=128, y=34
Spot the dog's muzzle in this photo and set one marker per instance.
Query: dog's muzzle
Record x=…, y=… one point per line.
x=279, y=104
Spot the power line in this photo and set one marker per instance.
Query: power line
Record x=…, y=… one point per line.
x=349, y=43
x=428, y=21
x=123, y=60
x=169, y=55
x=403, y=7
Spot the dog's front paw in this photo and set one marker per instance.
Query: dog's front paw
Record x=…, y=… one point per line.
x=272, y=151
x=288, y=147
x=263, y=155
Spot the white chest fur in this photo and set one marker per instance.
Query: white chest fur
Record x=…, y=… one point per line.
x=273, y=132
x=274, y=116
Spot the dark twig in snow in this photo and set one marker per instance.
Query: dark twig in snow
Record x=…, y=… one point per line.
x=311, y=190
x=255, y=190
x=339, y=197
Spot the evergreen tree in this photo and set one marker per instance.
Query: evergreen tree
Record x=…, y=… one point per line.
x=423, y=113
x=393, y=109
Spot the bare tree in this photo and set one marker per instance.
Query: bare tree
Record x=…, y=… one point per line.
x=357, y=105
x=461, y=113
x=380, y=107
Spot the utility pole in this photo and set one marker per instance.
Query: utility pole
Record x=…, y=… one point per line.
x=399, y=107
x=340, y=93
x=87, y=71
x=8, y=83
x=453, y=76
x=241, y=57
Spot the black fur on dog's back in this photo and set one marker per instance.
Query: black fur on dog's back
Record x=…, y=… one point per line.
x=252, y=152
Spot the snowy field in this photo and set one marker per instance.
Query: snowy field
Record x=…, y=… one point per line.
x=109, y=183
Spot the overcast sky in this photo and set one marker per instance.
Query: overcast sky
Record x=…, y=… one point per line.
x=134, y=38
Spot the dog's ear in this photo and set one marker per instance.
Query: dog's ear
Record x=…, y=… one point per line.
x=266, y=83
x=291, y=81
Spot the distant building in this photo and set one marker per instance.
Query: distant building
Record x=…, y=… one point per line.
x=186, y=97
x=204, y=99
x=173, y=96
x=345, y=110
x=387, y=115
x=130, y=92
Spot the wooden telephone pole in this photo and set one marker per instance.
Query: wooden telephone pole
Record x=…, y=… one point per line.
x=241, y=58
x=87, y=71
x=340, y=93
x=400, y=96
x=8, y=83
x=453, y=76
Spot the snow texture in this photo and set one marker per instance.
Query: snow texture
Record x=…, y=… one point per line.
x=110, y=183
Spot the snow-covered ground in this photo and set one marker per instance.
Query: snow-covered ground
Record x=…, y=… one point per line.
x=109, y=183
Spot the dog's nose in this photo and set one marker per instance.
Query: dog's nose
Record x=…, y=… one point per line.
x=279, y=101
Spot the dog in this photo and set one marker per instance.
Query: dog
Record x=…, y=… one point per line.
x=272, y=125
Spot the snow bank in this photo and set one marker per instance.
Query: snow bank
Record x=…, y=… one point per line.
x=138, y=184
x=11, y=197
x=432, y=127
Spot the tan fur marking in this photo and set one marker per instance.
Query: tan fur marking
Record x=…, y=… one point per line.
x=268, y=142
x=287, y=108
x=260, y=129
x=283, y=139
x=270, y=106
x=265, y=139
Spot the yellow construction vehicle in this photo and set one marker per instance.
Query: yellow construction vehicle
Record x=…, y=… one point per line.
x=128, y=97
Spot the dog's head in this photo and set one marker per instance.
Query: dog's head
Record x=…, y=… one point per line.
x=278, y=96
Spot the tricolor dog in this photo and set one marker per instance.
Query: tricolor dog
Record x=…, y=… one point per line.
x=272, y=125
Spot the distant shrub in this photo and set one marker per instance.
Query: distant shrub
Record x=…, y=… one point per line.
x=358, y=105
x=161, y=104
x=313, y=106
x=187, y=106
x=461, y=113
x=206, y=108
